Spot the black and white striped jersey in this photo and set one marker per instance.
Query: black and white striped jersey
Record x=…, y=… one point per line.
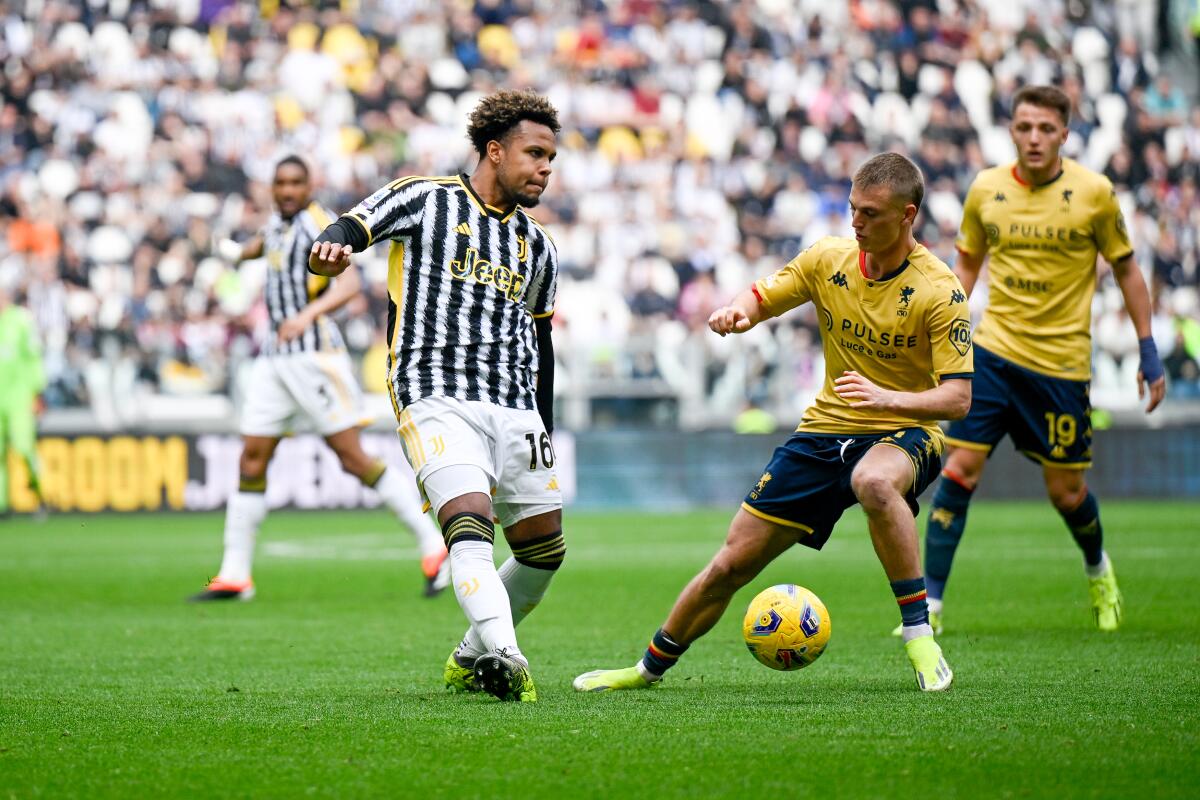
x=290, y=286
x=465, y=281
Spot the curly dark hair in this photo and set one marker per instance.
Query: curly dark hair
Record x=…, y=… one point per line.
x=497, y=114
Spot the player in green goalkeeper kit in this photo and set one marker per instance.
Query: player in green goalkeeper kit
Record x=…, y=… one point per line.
x=21, y=380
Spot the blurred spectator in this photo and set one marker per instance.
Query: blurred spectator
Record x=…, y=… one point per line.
x=704, y=143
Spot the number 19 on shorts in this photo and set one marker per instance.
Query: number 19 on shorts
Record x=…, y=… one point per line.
x=1060, y=429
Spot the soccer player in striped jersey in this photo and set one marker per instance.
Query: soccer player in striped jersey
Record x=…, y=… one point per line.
x=472, y=280
x=304, y=369
x=1041, y=222
x=897, y=343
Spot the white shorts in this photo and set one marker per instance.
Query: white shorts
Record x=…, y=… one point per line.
x=319, y=386
x=509, y=446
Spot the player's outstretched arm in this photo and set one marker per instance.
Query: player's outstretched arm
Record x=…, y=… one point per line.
x=236, y=253
x=950, y=399
x=330, y=254
x=739, y=316
x=1151, y=377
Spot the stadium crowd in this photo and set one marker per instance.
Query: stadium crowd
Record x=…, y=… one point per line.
x=704, y=144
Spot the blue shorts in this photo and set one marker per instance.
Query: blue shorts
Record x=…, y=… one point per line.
x=1049, y=419
x=807, y=483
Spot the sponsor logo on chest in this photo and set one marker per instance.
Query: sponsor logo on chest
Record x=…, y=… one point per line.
x=509, y=282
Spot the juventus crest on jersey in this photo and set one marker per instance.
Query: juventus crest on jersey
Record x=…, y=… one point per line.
x=290, y=287
x=465, y=281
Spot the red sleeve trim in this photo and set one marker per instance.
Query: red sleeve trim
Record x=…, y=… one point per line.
x=759, y=297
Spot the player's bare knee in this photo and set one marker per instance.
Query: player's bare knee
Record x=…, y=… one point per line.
x=1067, y=497
x=475, y=503
x=874, y=489
x=966, y=466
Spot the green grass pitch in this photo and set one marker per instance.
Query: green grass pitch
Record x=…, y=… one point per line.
x=329, y=683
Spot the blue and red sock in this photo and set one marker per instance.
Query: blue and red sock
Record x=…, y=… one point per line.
x=662, y=653
x=910, y=596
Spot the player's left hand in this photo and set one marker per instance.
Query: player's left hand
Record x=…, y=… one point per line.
x=1157, y=390
x=329, y=259
x=860, y=392
x=292, y=328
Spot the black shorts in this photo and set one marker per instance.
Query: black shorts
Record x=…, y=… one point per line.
x=807, y=483
x=1049, y=419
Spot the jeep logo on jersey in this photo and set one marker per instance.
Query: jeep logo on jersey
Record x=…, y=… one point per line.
x=507, y=282
x=960, y=335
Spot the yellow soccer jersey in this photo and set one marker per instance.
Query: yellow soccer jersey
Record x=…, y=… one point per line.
x=1042, y=242
x=906, y=331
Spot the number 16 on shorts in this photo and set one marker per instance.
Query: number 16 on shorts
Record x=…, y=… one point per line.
x=540, y=446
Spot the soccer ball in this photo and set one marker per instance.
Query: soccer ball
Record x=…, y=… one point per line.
x=786, y=627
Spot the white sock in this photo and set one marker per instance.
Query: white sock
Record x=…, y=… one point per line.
x=525, y=586
x=243, y=514
x=482, y=596
x=404, y=501
x=646, y=674
x=1099, y=569
x=910, y=632
x=935, y=605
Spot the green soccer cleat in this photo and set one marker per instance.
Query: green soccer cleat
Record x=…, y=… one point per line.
x=459, y=678
x=933, y=673
x=1106, y=600
x=608, y=680
x=499, y=674
x=935, y=622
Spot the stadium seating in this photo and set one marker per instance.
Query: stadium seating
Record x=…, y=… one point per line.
x=702, y=151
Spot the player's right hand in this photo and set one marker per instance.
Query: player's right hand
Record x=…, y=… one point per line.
x=329, y=259
x=729, y=319
x=1157, y=390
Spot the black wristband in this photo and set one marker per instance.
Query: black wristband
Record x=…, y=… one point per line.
x=345, y=231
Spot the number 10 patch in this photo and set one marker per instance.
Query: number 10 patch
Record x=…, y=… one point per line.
x=960, y=335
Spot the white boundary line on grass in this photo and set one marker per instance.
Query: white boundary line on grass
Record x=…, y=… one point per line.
x=355, y=547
